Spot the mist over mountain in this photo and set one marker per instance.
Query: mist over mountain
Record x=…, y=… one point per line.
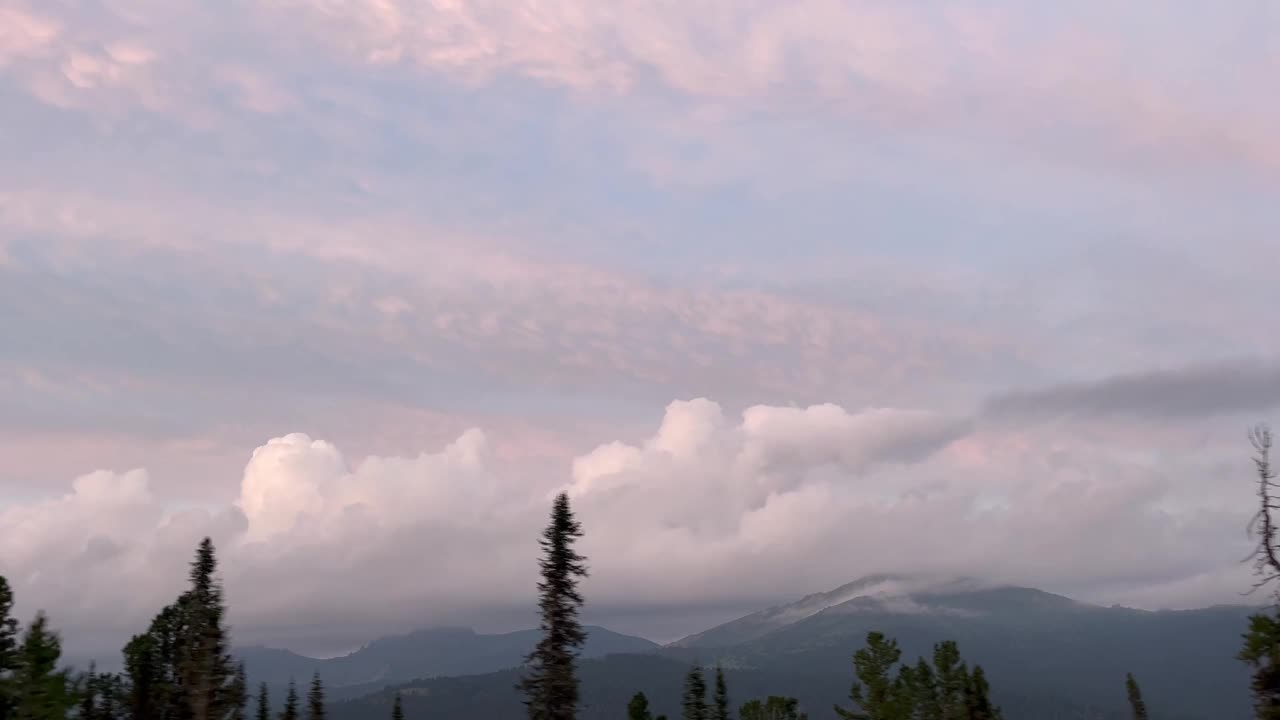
x=1047, y=656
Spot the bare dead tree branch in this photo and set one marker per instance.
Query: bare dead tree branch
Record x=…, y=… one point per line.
x=1266, y=555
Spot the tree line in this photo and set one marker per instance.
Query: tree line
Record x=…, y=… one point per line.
x=181, y=667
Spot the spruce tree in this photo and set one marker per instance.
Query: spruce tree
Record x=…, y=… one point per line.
x=1136, y=705
x=550, y=684
x=397, y=711
x=8, y=648
x=41, y=690
x=721, y=707
x=264, y=704
x=207, y=673
x=693, y=703
x=290, y=711
x=638, y=708
x=982, y=708
x=315, y=699
x=877, y=694
x=89, y=694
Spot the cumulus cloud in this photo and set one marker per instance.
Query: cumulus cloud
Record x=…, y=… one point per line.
x=706, y=511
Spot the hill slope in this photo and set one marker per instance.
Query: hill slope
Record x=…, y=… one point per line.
x=422, y=654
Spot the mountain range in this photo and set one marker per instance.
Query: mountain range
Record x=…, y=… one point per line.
x=1048, y=657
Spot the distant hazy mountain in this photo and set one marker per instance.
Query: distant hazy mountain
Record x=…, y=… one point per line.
x=1048, y=657
x=422, y=654
x=1031, y=642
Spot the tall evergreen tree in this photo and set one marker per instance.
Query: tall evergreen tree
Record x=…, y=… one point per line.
x=8, y=648
x=208, y=675
x=927, y=704
x=290, y=711
x=89, y=691
x=638, y=708
x=264, y=704
x=977, y=692
x=315, y=699
x=41, y=690
x=550, y=684
x=877, y=694
x=397, y=710
x=950, y=676
x=1136, y=705
x=693, y=704
x=721, y=707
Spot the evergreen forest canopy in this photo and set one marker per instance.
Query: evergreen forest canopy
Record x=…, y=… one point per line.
x=181, y=667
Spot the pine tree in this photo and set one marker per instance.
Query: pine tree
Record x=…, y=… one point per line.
x=638, y=708
x=397, y=711
x=8, y=648
x=876, y=694
x=1136, y=705
x=315, y=699
x=264, y=704
x=927, y=704
x=207, y=672
x=981, y=707
x=290, y=704
x=694, y=702
x=949, y=677
x=722, y=697
x=41, y=690
x=89, y=694
x=550, y=684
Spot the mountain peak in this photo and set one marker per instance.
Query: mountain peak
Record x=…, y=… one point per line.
x=892, y=594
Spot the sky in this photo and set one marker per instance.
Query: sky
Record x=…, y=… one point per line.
x=781, y=293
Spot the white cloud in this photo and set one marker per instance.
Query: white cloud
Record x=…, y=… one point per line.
x=782, y=502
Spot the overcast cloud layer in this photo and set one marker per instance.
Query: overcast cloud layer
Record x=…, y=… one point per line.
x=782, y=293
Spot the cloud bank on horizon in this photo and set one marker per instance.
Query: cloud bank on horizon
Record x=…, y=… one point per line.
x=982, y=289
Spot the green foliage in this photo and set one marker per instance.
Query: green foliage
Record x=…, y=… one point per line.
x=638, y=708
x=551, y=685
x=181, y=668
x=721, y=706
x=1136, y=705
x=877, y=694
x=945, y=690
x=772, y=708
x=397, y=709
x=1262, y=652
x=40, y=690
x=693, y=703
x=315, y=699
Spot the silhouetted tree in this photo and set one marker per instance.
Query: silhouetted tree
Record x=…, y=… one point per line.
x=8, y=648
x=41, y=690
x=1262, y=641
x=315, y=699
x=1136, y=705
x=550, y=684
x=721, y=707
x=264, y=704
x=638, y=708
x=290, y=711
x=693, y=703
